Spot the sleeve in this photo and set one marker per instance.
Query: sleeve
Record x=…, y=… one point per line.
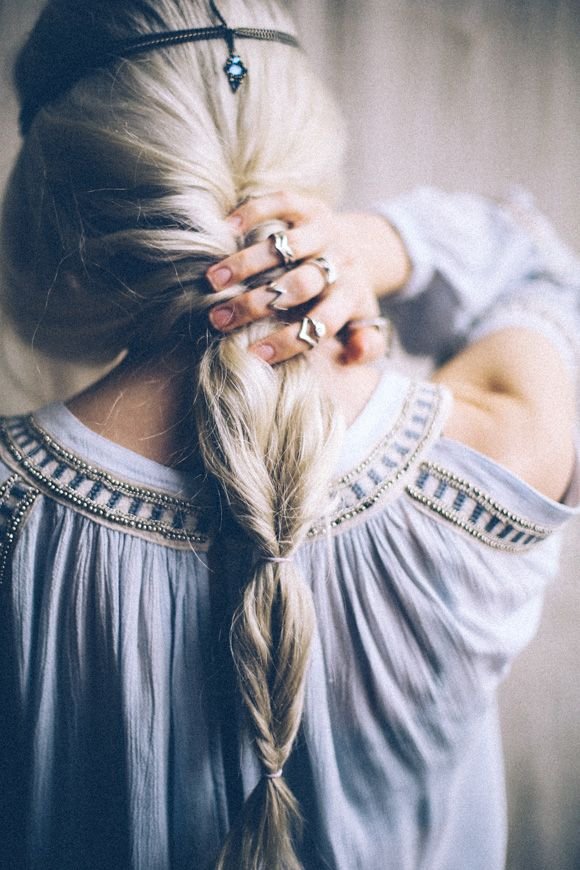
x=493, y=544
x=479, y=266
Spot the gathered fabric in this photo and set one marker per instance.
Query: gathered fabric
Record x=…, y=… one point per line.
x=122, y=742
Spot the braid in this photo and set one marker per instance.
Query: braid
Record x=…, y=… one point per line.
x=113, y=214
x=267, y=436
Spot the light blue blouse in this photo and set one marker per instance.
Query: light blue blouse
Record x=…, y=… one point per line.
x=121, y=740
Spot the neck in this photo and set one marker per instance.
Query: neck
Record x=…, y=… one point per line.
x=146, y=404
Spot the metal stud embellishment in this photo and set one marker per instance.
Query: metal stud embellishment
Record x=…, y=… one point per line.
x=57, y=472
x=382, y=474
x=455, y=499
x=235, y=70
x=16, y=498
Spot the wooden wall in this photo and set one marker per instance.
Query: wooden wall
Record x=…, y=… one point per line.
x=473, y=94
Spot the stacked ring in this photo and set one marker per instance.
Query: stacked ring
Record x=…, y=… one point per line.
x=326, y=269
x=311, y=331
x=379, y=323
x=273, y=287
x=382, y=324
x=282, y=248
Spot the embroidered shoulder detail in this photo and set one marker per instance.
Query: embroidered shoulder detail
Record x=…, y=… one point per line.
x=69, y=479
x=16, y=499
x=466, y=506
x=384, y=470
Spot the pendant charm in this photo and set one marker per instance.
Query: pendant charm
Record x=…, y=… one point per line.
x=235, y=71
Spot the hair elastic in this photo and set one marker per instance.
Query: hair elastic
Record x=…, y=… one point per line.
x=278, y=559
x=276, y=775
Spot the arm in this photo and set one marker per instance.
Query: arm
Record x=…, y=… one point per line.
x=477, y=266
x=496, y=282
x=365, y=251
x=514, y=402
x=453, y=270
x=438, y=263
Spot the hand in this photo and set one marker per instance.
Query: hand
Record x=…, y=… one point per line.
x=365, y=250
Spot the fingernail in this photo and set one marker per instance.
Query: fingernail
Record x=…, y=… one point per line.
x=222, y=316
x=235, y=222
x=264, y=351
x=220, y=277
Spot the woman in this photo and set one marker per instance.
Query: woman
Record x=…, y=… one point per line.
x=200, y=647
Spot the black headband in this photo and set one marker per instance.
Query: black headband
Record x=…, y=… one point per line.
x=91, y=61
x=234, y=68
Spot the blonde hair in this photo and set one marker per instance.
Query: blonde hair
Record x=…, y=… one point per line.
x=113, y=213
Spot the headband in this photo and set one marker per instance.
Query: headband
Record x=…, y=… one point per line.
x=234, y=67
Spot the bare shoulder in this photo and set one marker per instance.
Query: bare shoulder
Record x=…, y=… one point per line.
x=515, y=402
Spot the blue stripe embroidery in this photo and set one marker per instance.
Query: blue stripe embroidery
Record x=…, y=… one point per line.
x=466, y=505
x=135, y=507
x=375, y=476
x=459, y=500
x=95, y=490
x=59, y=471
x=490, y=526
x=505, y=532
x=478, y=510
x=114, y=499
x=440, y=491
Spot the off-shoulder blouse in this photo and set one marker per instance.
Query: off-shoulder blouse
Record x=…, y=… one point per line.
x=122, y=745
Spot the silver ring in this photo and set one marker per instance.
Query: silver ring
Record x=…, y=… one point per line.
x=326, y=269
x=380, y=323
x=282, y=248
x=273, y=287
x=311, y=331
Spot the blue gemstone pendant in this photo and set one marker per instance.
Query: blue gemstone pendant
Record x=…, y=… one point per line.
x=235, y=71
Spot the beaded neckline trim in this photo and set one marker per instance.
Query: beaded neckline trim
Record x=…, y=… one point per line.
x=70, y=479
x=456, y=500
x=396, y=464
x=16, y=499
x=380, y=473
x=63, y=475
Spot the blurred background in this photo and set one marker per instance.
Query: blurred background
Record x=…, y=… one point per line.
x=463, y=94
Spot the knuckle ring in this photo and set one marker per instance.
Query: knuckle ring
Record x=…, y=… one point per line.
x=326, y=269
x=273, y=287
x=380, y=323
x=282, y=248
x=311, y=331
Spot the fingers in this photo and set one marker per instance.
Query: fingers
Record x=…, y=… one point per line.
x=296, y=287
x=365, y=345
x=312, y=229
x=306, y=241
x=293, y=208
x=332, y=313
x=362, y=345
